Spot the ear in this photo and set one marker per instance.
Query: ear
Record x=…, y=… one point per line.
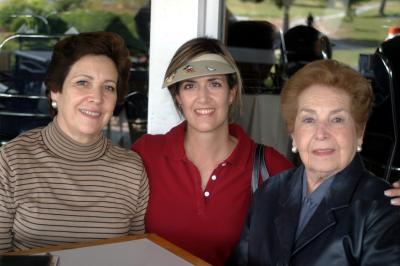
x=178, y=98
x=361, y=137
x=232, y=94
x=54, y=95
x=293, y=141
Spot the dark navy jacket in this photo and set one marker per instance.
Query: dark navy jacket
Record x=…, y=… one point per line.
x=354, y=224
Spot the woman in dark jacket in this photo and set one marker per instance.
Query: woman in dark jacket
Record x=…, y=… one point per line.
x=330, y=210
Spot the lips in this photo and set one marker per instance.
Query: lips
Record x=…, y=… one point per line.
x=89, y=113
x=204, y=111
x=323, y=152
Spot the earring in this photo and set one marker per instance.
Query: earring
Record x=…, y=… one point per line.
x=359, y=148
x=54, y=105
x=294, y=149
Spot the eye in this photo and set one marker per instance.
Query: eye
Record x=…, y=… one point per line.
x=188, y=86
x=82, y=83
x=308, y=120
x=338, y=119
x=110, y=88
x=216, y=84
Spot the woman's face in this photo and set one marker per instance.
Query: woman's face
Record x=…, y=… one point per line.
x=88, y=97
x=324, y=131
x=205, y=102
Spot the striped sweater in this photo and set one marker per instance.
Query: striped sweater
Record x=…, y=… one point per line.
x=54, y=190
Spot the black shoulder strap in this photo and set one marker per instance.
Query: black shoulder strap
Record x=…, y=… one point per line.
x=259, y=165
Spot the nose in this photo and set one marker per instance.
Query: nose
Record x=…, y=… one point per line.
x=203, y=92
x=96, y=95
x=321, y=131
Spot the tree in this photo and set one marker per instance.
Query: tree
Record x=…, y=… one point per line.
x=382, y=8
x=286, y=7
x=66, y=5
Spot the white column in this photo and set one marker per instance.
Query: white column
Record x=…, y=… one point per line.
x=173, y=22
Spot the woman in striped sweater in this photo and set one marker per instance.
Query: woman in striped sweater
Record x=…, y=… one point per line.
x=66, y=182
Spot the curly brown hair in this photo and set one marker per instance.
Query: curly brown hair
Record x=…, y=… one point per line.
x=72, y=48
x=333, y=74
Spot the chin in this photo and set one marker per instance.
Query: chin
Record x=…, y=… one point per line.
x=91, y=131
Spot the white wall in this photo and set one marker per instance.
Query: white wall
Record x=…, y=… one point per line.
x=173, y=22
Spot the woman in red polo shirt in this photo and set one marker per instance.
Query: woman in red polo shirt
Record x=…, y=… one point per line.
x=200, y=171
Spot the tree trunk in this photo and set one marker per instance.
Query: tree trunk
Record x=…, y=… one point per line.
x=285, y=18
x=330, y=3
x=382, y=8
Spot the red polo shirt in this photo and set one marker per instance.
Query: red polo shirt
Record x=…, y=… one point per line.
x=206, y=223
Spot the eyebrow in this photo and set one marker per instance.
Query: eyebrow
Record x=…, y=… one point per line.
x=209, y=79
x=91, y=78
x=308, y=110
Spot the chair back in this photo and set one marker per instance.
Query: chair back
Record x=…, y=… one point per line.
x=257, y=47
x=305, y=44
x=23, y=102
x=381, y=139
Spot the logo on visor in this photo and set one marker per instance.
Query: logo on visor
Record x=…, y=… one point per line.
x=210, y=69
x=188, y=69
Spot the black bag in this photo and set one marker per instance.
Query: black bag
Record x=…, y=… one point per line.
x=259, y=166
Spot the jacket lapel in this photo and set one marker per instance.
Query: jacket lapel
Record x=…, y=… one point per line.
x=290, y=204
x=321, y=220
x=337, y=198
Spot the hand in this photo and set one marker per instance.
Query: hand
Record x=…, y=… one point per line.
x=394, y=193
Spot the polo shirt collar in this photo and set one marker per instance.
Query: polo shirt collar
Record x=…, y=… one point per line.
x=174, y=146
x=174, y=142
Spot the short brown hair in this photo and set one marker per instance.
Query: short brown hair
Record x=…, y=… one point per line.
x=199, y=46
x=333, y=74
x=72, y=48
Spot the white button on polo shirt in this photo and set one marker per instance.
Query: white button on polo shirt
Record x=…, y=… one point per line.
x=213, y=177
x=206, y=193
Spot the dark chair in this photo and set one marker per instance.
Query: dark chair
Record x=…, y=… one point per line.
x=305, y=44
x=381, y=148
x=136, y=113
x=257, y=48
x=23, y=104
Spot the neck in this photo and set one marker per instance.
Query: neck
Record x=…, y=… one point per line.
x=212, y=146
x=314, y=180
x=80, y=139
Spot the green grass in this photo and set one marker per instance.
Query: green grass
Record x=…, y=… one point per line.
x=269, y=11
x=351, y=57
x=365, y=32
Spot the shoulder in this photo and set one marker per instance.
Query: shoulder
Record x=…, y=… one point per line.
x=154, y=143
x=275, y=184
x=148, y=142
x=381, y=216
x=275, y=161
x=371, y=187
x=121, y=154
x=26, y=140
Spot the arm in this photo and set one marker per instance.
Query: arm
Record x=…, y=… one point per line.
x=7, y=208
x=138, y=225
x=394, y=193
x=381, y=243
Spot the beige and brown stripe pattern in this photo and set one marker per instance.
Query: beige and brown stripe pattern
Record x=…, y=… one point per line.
x=53, y=190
